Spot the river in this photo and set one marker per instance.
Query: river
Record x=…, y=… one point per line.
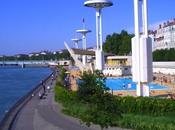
x=15, y=82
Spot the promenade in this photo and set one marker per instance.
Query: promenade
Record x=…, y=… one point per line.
x=45, y=114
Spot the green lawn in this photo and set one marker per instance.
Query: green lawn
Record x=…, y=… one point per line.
x=76, y=108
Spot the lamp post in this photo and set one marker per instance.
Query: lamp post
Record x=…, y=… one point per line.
x=99, y=5
x=84, y=41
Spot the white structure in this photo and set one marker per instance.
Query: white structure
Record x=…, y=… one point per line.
x=141, y=51
x=63, y=62
x=167, y=68
x=98, y=5
x=84, y=41
x=164, y=36
x=76, y=41
x=117, y=71
x=78, y=63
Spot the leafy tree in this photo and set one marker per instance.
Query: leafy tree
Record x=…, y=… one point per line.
x=103, y=110
x=164, y=55
x=91, y=84
x=119, y=44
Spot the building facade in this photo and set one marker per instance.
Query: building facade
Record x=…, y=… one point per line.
x=117, y=66
x=164, y=36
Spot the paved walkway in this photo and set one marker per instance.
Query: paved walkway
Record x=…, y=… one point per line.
x=45, y=114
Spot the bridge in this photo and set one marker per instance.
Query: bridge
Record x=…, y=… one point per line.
x=34, y=63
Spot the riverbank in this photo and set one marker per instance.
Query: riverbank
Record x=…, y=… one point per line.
x=44, y=114
x=11, y=115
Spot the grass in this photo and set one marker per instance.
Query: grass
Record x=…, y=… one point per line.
x=74, y=107
x=146, y=122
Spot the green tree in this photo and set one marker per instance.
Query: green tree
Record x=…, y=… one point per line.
x=164, y=55
x=119, y=44
x=103, y=110
x=91, y=85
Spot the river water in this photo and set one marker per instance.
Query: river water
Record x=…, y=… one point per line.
x=15, y=82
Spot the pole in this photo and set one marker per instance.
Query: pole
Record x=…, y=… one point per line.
x=84, y=41
x=84, y=47
x=100, y=30
x=97, y=27
x=76, y=44
x=136, y=19
x=145, y=18
x=137, y=37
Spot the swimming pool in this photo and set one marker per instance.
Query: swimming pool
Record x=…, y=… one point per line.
x=127, y=84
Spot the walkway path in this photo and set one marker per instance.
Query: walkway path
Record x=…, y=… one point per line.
x=45, y=114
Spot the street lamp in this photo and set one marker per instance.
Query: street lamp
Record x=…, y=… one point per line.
x=84, y=41
x=99, y=5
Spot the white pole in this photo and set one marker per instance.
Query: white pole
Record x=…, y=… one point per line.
x=84, y=41
x=100, y=30
x=84, y=48
x=97, y=27
x=76, y=44
x=146, y=17
x=143, y=18
x=145, y=10
x=136, y=18
x=137, y=36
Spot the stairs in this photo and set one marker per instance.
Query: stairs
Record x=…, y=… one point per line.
x=78, y=63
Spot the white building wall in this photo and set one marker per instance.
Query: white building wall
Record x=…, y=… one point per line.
x=164, y=36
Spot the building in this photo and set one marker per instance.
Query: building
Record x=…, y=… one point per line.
x=118, y=60
x=164, y=36
x=33, y=54
x=117, y=66
x=64, y=62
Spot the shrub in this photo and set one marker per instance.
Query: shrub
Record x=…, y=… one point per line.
x=61, y=77
x=141, y=122
x=92, y=104
x=91, y=85
x=145, y=105
x=102, y=107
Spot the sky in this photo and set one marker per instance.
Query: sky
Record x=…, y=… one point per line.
x=33, y=25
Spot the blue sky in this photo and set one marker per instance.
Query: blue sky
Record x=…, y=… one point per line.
x=34, y=25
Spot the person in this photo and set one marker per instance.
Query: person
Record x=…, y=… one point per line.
x=129, y=86
x=44, y=88
x=124, y=87
x=52, y=77
x=169, y=96
x=39, y=95
x=41, y=82
x=48, y=88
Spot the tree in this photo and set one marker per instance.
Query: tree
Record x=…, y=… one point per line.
x=103, y=109
x=91, y=85
x=164, y=55
x=119, y=44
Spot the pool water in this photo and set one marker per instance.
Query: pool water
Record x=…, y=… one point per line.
x=128, y=84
